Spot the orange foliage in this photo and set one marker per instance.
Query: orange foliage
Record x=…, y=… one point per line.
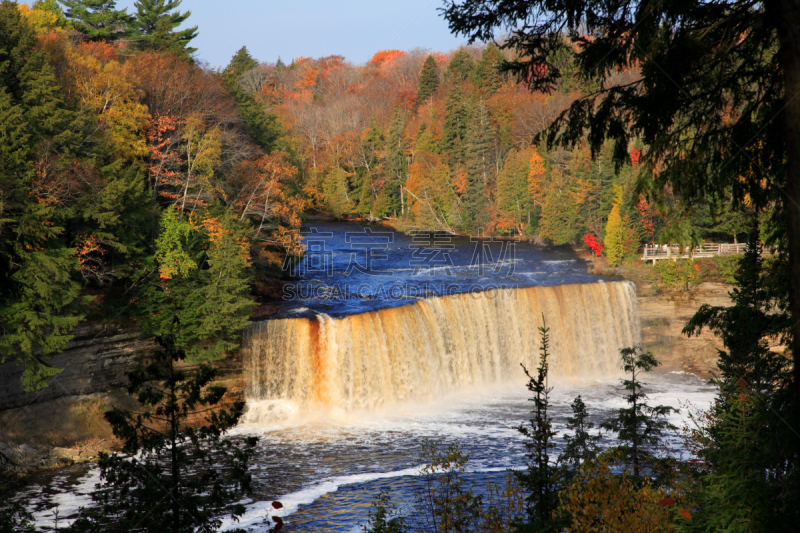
x=536, y=176
x=385, y=57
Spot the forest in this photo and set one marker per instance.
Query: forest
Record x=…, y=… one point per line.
x=141, y=186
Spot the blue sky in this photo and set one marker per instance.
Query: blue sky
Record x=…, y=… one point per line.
x=314, y=28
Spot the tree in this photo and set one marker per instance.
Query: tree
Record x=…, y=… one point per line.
x=477, y=152
x=428, y=80
x=156, y=20
x=460, y=67
x=639, y=427
x=581, y=446
x=240, y=63
x=201, y=297
x=445, y=501
x=455, y=126
x=172, y=474
x=39, y=301
x=99, y=20
x=382, y=516
x=727, y=72
x=541, y=478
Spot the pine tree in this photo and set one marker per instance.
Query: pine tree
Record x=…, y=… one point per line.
x=201, y=299
x=541, y=478
x=477, y=152
x=99, y=20
x=512, y=193
x=456, y=121
x=39, y=302
x=389, y=201
x=488, y=71
x=581, y=446
x=639, y=427
x=428, y=80
x=460, y=67
x=240, y=63
x=156, y=21
x=173, y=475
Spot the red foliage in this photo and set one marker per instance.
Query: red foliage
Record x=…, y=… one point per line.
x=646, y=216
x=635, y=155
x=594, y=245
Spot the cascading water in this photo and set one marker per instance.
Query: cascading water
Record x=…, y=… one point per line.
x=422, y=351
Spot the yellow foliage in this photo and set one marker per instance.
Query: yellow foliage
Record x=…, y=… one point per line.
x=41, y=21
x=536, y=177
x=107, y=89
x=600, y=500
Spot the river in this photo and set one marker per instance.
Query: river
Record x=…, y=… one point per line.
x=386, y=340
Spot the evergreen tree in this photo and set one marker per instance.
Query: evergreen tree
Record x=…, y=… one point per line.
x=639, y=427
x=240, y=63
x=477, y=152
x=747, y=480
x=559, y=219
x=487, y=74
x=581, y=446
x=172, y=475
x=541, y=478
x=39, y=302
x=156, y=21
x=99, y=20
x=456, y=121
x=201, y=299
x=512, y=194
x=428, y=80
x=389, y=201
x=460, y=67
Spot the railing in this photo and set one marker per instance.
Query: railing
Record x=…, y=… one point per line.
x=655, y=252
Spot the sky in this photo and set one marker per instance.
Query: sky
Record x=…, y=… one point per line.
x=287, y=29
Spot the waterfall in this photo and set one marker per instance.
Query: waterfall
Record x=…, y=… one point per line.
x=421, y=351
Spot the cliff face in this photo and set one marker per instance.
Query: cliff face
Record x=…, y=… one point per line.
x=663, y=318
x=96, y=361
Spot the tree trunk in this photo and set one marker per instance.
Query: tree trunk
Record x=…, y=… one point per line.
x=786, y=17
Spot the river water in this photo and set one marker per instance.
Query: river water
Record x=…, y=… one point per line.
x=387, y=340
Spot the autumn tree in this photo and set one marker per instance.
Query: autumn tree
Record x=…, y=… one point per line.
x=727, y=72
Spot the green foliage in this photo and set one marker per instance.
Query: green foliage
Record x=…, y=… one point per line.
x=455, y=126
x=428, y=80
x=201, y=300
x=39, y=303
x=445, y=502
x=14, y=517
x=382, y=516
x=460, y=67
x=389, y=201
x=477, y=150
x=680, y=274
x=748, y=452
x=173, y=475
x=335, y=186
x=99, y=20
x=240, y=63
x=541, y=479
x=639, y=427
x=559, y=219
x=581, y=446
x=156, y=21
x=488, y=71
